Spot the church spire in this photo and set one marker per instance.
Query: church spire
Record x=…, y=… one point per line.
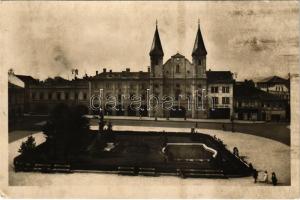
x=156, y=48
x=199, y=47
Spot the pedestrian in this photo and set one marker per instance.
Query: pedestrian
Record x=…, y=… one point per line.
x=265, y=177
x=251, y=167
x=255, y=174
x=223, y=127
x=274, y=179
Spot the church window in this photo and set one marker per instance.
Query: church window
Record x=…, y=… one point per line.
x=177, y=69
x=199, y=62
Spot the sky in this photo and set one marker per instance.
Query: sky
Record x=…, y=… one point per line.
x=46, y=39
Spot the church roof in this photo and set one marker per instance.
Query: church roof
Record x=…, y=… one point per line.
x=156, y=48
x=177, y=55
x=199, y=47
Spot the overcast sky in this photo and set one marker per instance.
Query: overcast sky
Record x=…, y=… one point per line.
x=252, y=39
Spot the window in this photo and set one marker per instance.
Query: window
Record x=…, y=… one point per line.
x=215, y=100
x=84, y=96
x=156, y=85
x=119, y=97
x=41, y=95
x=58, y=96
x=49, y=95
x=66, y=96
x=225, y=89
x=177, y=85
x=177, y=69
x=199, y=62
x=143, y=97
x=188, y=71
x=214, y=90
x=33, y=96
x=225, y=100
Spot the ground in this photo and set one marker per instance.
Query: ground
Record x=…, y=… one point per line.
x=263, y=153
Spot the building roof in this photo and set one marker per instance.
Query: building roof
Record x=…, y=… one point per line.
x=15, y=81
x=177, y=55
x=199, y=47
x=156, y=48
x=122, y=75
x=219, y=77
x=27, y=79
x=273, y=79
x=245, y=91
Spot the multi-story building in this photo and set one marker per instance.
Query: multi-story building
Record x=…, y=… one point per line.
x=220, y=94
x=16, y=91
x=275, y=85
x=45, y=95
x=251, y=103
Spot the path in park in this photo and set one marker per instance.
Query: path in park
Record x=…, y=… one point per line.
x=276, y=131
x=263, y=153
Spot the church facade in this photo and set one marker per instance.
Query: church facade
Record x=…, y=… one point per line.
x=178, y=78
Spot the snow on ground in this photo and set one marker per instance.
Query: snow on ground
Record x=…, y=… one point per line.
x=264, y=154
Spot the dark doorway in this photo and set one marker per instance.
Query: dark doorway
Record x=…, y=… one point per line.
x=131, y=111
x=119, y=110
x=143, y=111
x=219, y=113
x=177, y=112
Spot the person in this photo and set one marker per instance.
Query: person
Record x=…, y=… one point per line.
x=109, y=126
x=255, y=175
x=251, y=167
x=265, y=177
x=274, y=179
x=223, y=127
x=235, y=151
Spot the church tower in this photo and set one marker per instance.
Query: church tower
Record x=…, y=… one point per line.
x=156, y=73
x=156, y=55
x=199, y=55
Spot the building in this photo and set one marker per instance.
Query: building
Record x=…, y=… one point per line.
x=279, y=87
x=16, y=98
x=178, y=80
x=45, y=95
x=251, y=103
x=27, y=80
x=119, y=90
x=220, y=93
x=275, y=85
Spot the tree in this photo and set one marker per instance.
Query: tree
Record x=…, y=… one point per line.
x=66, y=129
x=28, y=146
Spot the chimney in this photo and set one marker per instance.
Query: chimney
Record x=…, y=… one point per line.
x=97, y=72
x=127, y=69
x=148, y=69
x=110, y=71
x=104, y=70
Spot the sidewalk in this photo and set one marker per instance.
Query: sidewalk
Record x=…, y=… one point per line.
x=227, y=121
